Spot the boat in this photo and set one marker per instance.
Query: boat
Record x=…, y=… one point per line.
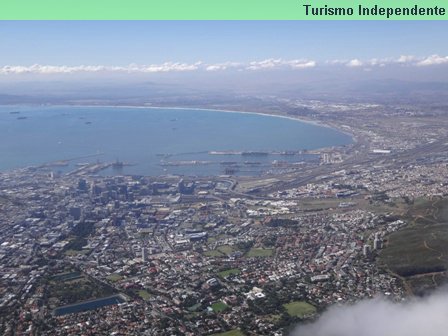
x=255, y=153
x=117, y=164
x=230, y=171
x=224, y=153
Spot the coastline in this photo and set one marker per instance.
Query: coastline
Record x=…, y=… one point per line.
x=267, y=114
x=337, y=128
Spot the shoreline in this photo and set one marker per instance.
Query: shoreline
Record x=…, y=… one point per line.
x=307, y=121
x=317, y=123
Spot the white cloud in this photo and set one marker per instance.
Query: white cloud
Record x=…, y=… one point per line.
x=299, y=64
x=157, y=68
x=406, y=59
x=53, y=69
x=270, y=63
x=418, y=317
x=403, y=60
x=433, y=60
x=168, y=67
x=265, y=64
x=64, y=69
x=222, y=66
x=215, y=67
x=354, y=63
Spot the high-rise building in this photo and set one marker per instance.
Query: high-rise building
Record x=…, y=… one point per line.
x=82, y=185
x=377, y=244
x=186, y=188
x=76, y=212
x=144, y=254
x=366, y=250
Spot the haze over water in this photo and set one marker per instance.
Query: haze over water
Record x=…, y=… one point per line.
x=39, y=135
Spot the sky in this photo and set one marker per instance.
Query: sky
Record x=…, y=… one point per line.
x=119, y=43
x=226, y=53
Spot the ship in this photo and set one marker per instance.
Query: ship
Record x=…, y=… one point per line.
x=230, y=171
x=254, y=153
x=184, y=163
x=224, y=153
x=117, y=165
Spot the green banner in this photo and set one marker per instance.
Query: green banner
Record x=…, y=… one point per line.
x=223, y=10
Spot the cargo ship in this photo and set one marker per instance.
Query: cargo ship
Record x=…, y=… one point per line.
x=255, y=153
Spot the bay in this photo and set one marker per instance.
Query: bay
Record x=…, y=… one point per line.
x=155, y=140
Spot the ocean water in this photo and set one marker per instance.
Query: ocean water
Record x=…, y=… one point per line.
x=155, y=141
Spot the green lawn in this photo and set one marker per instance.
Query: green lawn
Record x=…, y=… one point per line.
x=68, y=276
x=274, y=318
x=421, y=247
x=260, y=252
x=226, y=273
x=211, y=239
x=213, y=253
x=76, y=252
x=235, y=332
x=144, y=294
x=194, y=307
x=220, y=251
x=114, y=277
x=316, y=204
x=219, y=307
x=226, y=249
x=299, y=308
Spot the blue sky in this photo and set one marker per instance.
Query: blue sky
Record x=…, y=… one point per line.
x=119, y=43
